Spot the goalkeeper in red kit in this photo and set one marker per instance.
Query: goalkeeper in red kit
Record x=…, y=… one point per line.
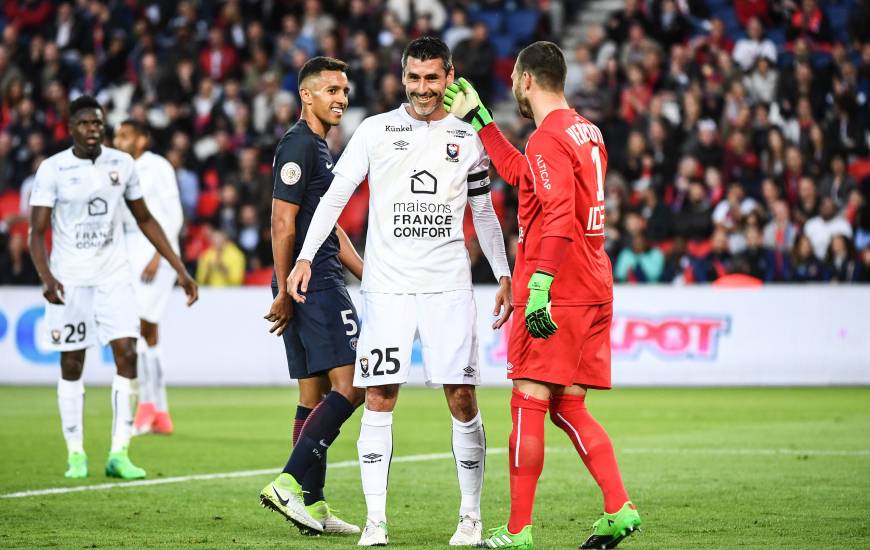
x=562, y=287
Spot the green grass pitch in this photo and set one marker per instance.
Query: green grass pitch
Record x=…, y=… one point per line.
x=708, y=468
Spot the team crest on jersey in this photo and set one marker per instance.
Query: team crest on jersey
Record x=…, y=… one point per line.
x=55, y=336
x=115, y=177
x=290, y=173
x=364, y=367
x=352, y=343
x=452, y=152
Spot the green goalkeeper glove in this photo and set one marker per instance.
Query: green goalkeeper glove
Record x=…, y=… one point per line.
x=462, y=101
x=539, y=323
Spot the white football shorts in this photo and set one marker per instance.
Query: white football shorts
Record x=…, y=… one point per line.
x=152, y=298
x=446, y=323
x=91, y=315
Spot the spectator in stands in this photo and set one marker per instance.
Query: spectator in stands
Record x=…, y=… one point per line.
x=810, y=22
x=761, y=83
x=864, y=265
x=822, y=228
x=807, y=206
x=619, y=22
x=780, y=232
x=16, y=267
x=840, y=261
x=218, y=60
x=639, y=262
x=805, y=266
x=707, y=149
x=477, y=60
x=718, y=262
x=693, y=220
x=754, y=46
x=222, y=263
x=757, y=260
x=730, y=212
x=838, y=184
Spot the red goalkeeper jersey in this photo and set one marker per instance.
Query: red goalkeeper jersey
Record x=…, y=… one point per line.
x=561, y=207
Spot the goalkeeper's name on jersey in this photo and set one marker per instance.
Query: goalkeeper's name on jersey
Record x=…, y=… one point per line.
x=421, y=220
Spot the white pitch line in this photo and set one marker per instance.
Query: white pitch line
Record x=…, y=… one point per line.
x=225, y=475
x=430, y=457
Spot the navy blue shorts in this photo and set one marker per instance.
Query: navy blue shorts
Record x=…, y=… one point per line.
x=322, y=334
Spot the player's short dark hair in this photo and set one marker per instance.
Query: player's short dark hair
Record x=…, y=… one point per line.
x=317, y=65
x=426, y=48
x=546, y=62
x=141, y=128
x=82, y=103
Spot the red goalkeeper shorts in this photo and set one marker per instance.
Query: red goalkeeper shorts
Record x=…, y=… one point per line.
x=579, y=352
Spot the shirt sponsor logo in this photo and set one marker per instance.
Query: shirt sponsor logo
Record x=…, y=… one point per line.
x=98, y=207
x=543, y=172
x=290, y=173
x=424, y=182
x=94, y=235
x=401, y=145
x=398, y=128
x=672, y=337
x=422, y=220
x=461, y=134
x=452, y=152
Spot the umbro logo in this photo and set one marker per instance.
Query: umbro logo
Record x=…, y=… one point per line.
x=371, y=458
x=469, y=370
x=470, y=464
x=401, y=145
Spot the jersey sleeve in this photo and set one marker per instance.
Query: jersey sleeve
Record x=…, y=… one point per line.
x=478, y=176
x=44, y=186
x=552, y=168
x=509, y=162
x=132, y=188
x=354, y=161
x=294, y=163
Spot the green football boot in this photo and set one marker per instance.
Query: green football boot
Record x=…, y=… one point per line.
x=284, y=495
x=332, y=524
x=119, y=465
x=608, y=531
x=77, y=466
x=500, y=537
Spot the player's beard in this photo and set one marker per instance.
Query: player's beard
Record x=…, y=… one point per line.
x=436, y=103
x=523, y=105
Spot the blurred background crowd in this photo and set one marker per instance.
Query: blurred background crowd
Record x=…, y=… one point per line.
x=737, y=132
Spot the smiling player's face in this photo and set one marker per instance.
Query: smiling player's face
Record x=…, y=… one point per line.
x=328, y=94
x=425, y=82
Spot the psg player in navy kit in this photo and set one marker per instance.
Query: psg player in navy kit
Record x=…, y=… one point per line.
x=320, y=335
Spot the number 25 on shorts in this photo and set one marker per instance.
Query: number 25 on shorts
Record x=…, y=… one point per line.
x=384, y=363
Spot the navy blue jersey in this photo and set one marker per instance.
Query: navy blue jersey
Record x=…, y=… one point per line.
x=301, y=174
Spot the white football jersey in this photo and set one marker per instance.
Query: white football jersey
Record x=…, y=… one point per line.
x=160, y=190
x=87, y=198
x=420, y=176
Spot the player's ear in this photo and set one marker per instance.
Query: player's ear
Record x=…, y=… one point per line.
x=450, y=76
x=527, y=80
x=305, y=94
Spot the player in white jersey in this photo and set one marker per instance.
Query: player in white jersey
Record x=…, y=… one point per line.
x=152, y=276
x=423, y=167
x=79, y=193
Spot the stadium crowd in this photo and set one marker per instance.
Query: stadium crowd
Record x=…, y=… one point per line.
x=737, y=132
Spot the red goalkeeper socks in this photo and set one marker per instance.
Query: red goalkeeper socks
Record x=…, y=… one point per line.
x=526, y=448
x=569, y=412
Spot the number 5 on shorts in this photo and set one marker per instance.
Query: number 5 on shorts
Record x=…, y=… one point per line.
x=349, y=321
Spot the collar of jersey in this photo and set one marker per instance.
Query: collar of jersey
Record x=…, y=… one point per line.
x=403, y=112
x=88, y=161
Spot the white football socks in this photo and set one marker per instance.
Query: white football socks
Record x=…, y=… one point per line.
x=158, y=384
x=124, y=396
x=71, y=402
x=469, y=450
x=375, y=450
x=143, y=371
